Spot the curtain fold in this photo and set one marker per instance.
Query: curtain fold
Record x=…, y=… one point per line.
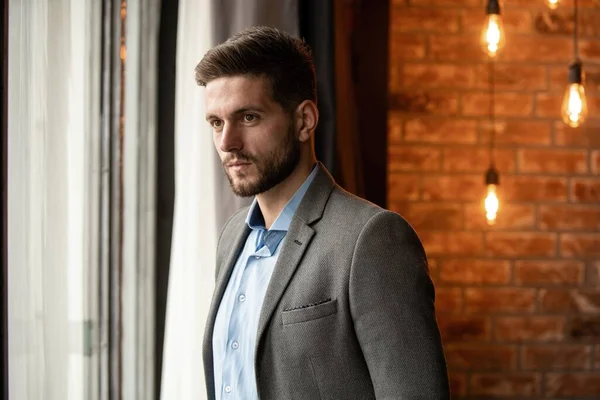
x=191, y=275
x=349, y=165
x=316, y=19
x=51, y=81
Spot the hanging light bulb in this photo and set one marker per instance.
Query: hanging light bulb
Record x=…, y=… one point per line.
x=492, y=34
x=552, y=4
x=574, y=106
x=491, y=202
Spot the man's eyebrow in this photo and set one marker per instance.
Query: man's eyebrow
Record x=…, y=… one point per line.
x=242, y=110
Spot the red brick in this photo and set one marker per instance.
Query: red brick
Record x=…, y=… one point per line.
x=581, y=384
x=596, y=162
x=505, y=384
x=469, y=159
x=585, y=190
x=473, y=271
x=432, y=102
x=560, y=20
x=492, y=300
x=580, y=244
x=510, y=216
x=464, y=328
x=553, y=357
x=441, y=130
x=512, y=77
x=506, y=104
x=458, y=384
x=395, y=128
x=480, y=357
x=453, y=188
x=403, y=187
x=414, y=158
x=583, y=328
x=512, y=132
x=560, y=273
x=533, y=188
x=592, y=275
x=395, y=81
x=585, y=136
x=448, y=300
x=427, y=216
x=553, y=161
x=538, y=49
x=565, y=301
x=407, y=46
x=439, y=75
x=433, y=270
x=455, y=48
x=530, y=328
x=514, y=21
x=548, y=105
x=589, y=50
x=520, y=244
x=452, y=243
x=448, y=3
x=537, y=6
x=411, y=19
x=570, y=217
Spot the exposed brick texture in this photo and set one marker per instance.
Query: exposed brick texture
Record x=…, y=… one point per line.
x=518, y=303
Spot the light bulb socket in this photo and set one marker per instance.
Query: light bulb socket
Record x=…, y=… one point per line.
x=576, y=72
x=492, y=177
x=493, y=7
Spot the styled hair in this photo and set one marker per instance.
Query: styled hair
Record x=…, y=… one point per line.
x=283, y=60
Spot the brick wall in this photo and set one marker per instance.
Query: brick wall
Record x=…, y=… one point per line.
x=519, y=303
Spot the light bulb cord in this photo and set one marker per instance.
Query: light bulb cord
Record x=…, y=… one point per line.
x=492, y=110
x=575, y=30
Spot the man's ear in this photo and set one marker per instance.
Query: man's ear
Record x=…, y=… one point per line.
x=307, y=117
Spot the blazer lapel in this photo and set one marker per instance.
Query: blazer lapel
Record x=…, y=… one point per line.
x=296, y=242
x=222, y=280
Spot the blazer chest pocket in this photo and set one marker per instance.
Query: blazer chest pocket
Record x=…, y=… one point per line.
x=309, y=312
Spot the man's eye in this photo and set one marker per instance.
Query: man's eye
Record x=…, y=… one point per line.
x=216, y=123
x=249, y=117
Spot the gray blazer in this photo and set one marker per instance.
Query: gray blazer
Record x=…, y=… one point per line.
x=349, y=311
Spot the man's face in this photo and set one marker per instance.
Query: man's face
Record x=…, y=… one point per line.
x=253, y=135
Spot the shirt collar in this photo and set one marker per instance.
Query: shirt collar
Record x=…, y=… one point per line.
x=255, y=219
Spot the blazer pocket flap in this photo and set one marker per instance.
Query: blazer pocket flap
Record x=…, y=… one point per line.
x=309, y=313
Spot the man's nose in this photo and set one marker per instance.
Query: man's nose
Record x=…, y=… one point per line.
x=230, y=139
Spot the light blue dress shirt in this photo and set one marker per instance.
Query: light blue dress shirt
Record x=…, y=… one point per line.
x=236, y=324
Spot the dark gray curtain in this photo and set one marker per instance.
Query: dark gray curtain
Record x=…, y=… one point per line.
x=317, y=29
x=165, y=170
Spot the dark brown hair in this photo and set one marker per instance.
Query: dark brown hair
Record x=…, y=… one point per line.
x=284, y=60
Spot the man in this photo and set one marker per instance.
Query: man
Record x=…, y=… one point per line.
x=319, y=294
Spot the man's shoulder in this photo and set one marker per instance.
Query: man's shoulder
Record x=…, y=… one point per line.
x=342, y=203
x=356, y=211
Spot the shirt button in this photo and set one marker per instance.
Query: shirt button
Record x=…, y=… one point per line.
x=256, y=257
x=235, y=345
x=227, y=389
x=242, y=298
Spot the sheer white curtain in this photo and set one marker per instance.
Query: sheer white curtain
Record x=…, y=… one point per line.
x=52, y=81
x=191, y=275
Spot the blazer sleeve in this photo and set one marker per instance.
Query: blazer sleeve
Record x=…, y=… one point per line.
x=392, y=306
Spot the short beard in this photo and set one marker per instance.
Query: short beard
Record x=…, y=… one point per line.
x=272, y=170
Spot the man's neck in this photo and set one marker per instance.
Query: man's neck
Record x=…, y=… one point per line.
x=272, y=202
